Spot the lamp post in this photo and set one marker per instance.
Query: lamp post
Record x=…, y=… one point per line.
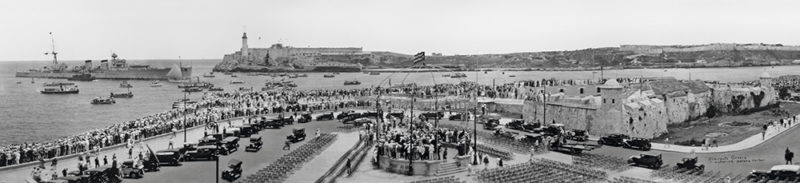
x=411, y=133
x=475, y=124
x=184, y=117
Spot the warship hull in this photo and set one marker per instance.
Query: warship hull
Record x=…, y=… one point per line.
x=138, y=74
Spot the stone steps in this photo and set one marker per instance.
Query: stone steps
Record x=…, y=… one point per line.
x=450, y=168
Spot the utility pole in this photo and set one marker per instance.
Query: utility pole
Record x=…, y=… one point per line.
x=184, y=117
x=475, y=124
x=411, y=132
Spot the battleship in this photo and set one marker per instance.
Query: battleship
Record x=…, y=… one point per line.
x=116, y=69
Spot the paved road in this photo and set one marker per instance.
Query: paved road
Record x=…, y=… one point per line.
x=762, y=156
x=203, y=171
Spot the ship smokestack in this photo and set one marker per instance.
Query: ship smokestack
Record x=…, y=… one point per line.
x=104, y=65
x=87, y=65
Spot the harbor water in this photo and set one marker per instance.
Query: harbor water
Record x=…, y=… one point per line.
x=28, y=116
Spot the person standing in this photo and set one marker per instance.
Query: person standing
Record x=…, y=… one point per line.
x=105, y=160
x=349, y=171
x=444, y=153
x=788, y=155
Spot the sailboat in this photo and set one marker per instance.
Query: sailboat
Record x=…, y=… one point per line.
x=175, y=75
x=129, y=94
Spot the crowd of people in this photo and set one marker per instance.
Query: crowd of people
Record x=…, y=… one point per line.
x=212, y=107
x=424, y=142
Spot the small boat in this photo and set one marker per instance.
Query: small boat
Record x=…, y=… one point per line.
x=155, y=84
x=215, y=89
x=293, y=76
x=19, y=82
x=292, y=85
x=234, y=76
x=192, y=89
x=374, y=73
x=237, y=82
x=512, y=76
x=58, y=84
x=245, y=89
x=61, y=89
x=122, y=95
x=182, y=104
x=209, y=75
x=103, y=100
x=337, y=73
x=125, y=84
x=446, y=75
x=328, y=75
x=227, y=73
x=282, y=74
x=353, y=82
x=302, y=75
x=32, y=81
x=82, y=77
x=458, y=75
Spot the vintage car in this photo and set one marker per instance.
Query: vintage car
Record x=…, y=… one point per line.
x=104, y=174
x=255, y=144
x=516, y=124
x=370, y=114
x=169, y=156
x=247, y=130
x=397, y=114
x=346, y=114
x=298, y=134
x=506, y=134
x=613, y=139
x=431, y=115
x=458, y=116
x=577, y=135
x=305, y=118
x=208, y=152
x=690, y=163
x=232, y=132
x=285, y=120
x=358, y=122
x=229, y=145
x=646, y=160
x=637, y=143
x=274, y=123
x=491, y=124
x=234, y=170
x=130, y=169
x=780, y=172
x=188, y=147
x=328, y=116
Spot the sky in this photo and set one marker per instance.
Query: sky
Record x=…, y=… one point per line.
x=208, y=29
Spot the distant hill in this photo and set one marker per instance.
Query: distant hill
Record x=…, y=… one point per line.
x=625, y=56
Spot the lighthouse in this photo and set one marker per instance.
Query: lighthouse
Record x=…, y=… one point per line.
x=245, y=53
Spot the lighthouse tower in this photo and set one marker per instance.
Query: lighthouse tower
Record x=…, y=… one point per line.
x=245, y=53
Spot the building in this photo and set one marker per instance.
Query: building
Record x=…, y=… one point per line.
x=279, y=55
x=644, y=108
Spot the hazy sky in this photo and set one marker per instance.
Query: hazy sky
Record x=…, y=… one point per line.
x=159, y=29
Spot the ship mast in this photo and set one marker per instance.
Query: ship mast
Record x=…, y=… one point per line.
x=53, y=51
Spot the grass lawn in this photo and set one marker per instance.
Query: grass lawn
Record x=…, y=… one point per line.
x=698, y=129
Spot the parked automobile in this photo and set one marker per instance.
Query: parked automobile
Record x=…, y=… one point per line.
x=298, y=134
x=104, y=174
x=553, y=129
x=397, y=114
x=169, y=156
x=255, y=144
x=274, y=123
x=780, y=172
x=690, y=163
x=188, y=147
x=637, y=143
x=431, y=115
x=532, y=138
x=506, y=134
x=577, y=135
x=229, y=145
x=234, y=170
x=491, y=124
x=613, y=139
x=232, y=132
x=646, y=160
x=247, y=130
x=458, y=116
x=129, y=169
x=305, y=118
x=345, y=114
x=328, y=116
x=516, y=124
x=370, y=114
x=207, y=152
x=358, y=122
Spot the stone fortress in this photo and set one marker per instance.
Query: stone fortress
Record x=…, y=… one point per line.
x=286, y=58
x=642, y=107
x=656, y=49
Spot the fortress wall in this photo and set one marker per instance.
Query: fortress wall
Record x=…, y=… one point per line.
x=571, y=117
x=504, y=108
x=649, y=121
x=734, y=100
x=684, y=108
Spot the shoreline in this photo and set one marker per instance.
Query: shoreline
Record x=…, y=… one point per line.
x=547, y=69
